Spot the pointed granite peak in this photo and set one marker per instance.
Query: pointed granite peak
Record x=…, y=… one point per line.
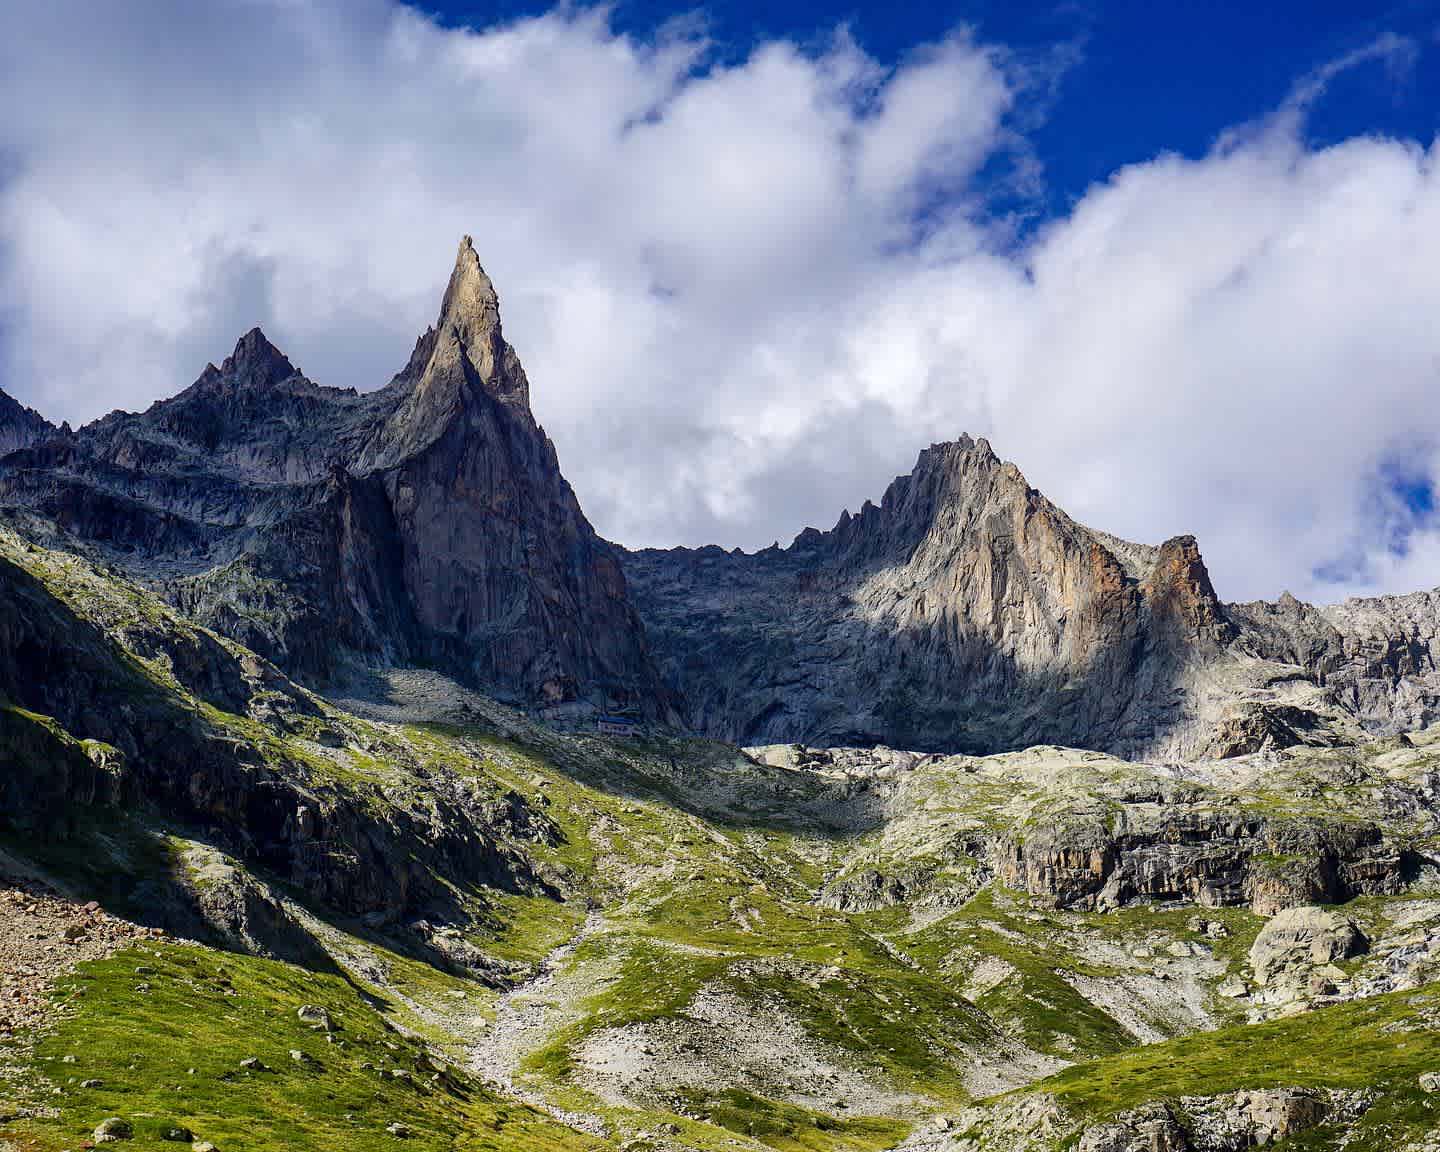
x=470, y=308
x=467, y=341
x=256, y=362
x=457, y=370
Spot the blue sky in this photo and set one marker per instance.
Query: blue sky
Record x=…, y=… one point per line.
x=1179, y=261
x=1128, y=79
x=1133, y=78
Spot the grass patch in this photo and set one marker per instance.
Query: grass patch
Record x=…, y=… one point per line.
x=650, y=981
x=1381, y=1045
x=1035, y=1003
x=786, y=1127
x=164, y=1030
x=527, y=928
x=909, y=1027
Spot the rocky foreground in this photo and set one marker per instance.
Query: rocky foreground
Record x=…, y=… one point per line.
x=403, y=915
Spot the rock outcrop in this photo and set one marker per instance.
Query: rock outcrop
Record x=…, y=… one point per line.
x=1228, y=1123
x=1087, y=831
x=223, y=902
x=21, y=427
x=1152, y=1128
x=1304, y=936
x=1173, y=846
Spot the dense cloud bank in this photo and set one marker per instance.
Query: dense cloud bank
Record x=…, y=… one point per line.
x=746, y=294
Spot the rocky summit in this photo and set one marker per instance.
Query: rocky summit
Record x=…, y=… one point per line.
x=967, y=612
x=426, y=521
x=354, y=793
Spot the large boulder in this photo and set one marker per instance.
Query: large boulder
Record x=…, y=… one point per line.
x=1278, y=1113
x=1151, y=1128
x=1304, y=937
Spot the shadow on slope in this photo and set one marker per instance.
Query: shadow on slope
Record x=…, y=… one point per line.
x=89, y=730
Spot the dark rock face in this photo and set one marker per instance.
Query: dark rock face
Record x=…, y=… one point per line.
x=81, y=727
x=1083, y=830
x=21, y=427
x=427, y=522
x=49, y=778
x=494, y=550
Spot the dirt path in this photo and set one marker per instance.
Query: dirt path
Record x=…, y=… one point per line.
x=525, y=1017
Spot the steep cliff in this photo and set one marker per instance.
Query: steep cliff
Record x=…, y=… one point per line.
x=496, y=554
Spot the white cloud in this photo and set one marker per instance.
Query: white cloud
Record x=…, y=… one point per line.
x=713, y=271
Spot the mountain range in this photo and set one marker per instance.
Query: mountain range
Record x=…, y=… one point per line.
x=355, y=793
x=428, y=522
